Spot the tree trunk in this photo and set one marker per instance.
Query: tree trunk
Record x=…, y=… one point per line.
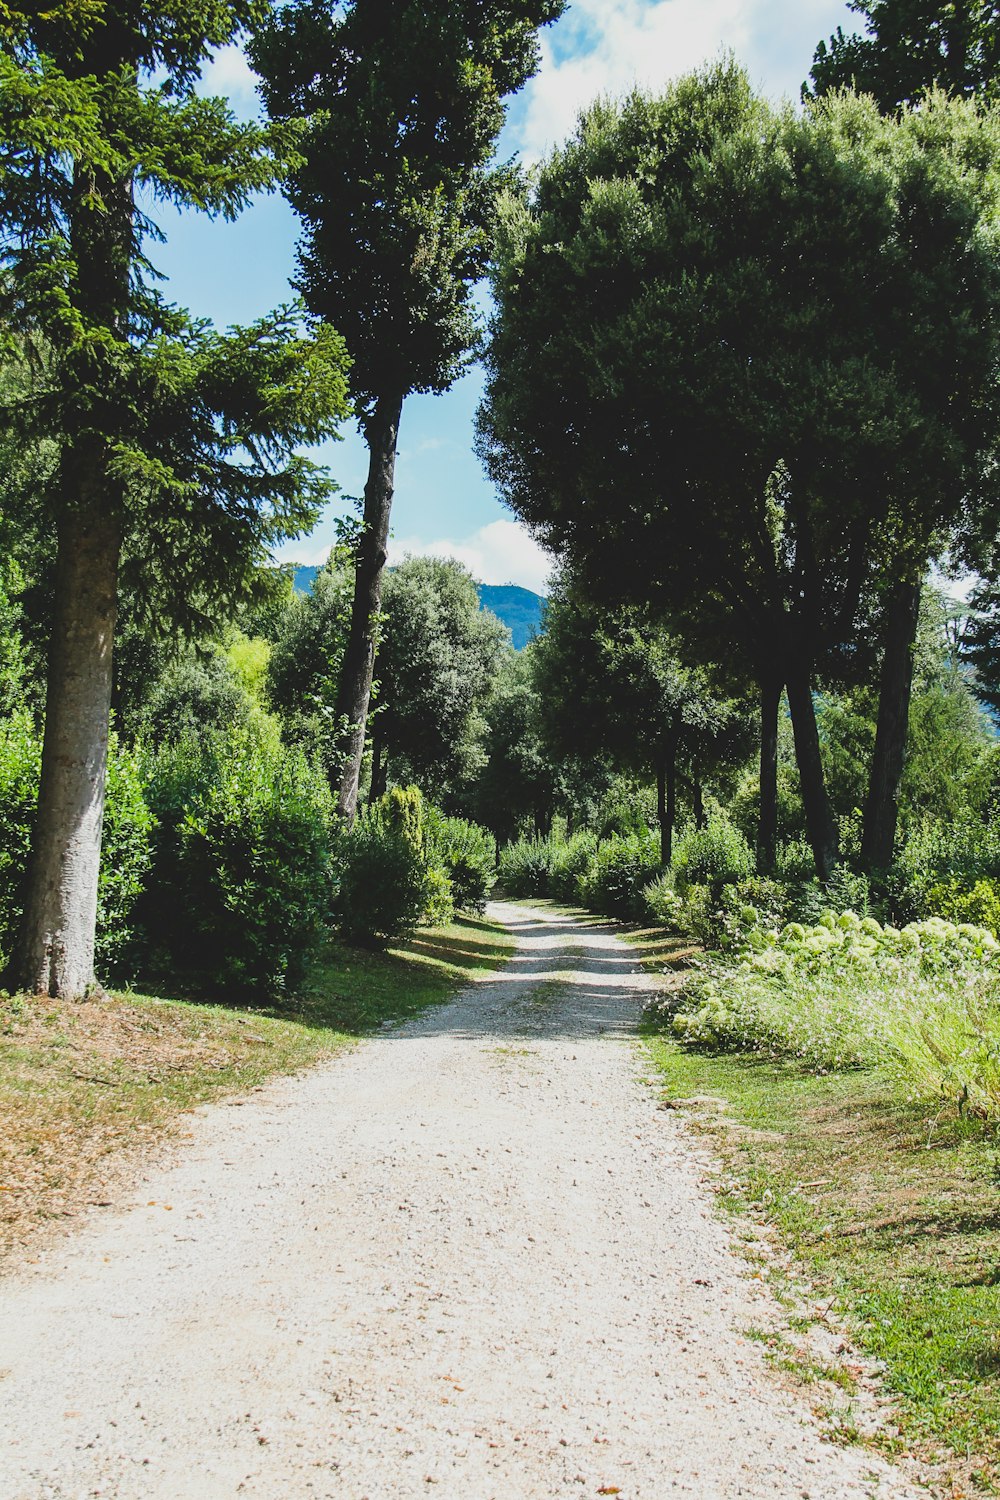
x=380, y=763
x=698, y=805
x=820, y=825
x=54, y=953
x=354, y=694
x=55, y=949
x=895, y=685
x=767, y=828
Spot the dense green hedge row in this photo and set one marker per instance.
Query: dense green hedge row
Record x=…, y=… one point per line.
x=223, y=865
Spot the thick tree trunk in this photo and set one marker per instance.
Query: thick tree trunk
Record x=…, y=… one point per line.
x=820, y=825
x=767, y=828
x=895, y=685
x=55, y=950
x=54, y=954
x=354, y=695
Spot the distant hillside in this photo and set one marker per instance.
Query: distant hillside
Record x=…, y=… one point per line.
x=519, y=609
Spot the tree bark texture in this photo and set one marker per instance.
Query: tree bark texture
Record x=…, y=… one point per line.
x=55, y=950
x=820, y=825
x=767, y=828
x=895, y=686
x=354, y=694
x=54, y=953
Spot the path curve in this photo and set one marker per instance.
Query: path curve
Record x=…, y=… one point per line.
x=471, y=1254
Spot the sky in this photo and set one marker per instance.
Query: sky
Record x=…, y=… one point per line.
x=444, y=505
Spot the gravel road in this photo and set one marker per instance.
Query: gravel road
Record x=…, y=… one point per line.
x=470, y=1258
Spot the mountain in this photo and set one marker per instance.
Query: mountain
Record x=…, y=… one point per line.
x=519, y=609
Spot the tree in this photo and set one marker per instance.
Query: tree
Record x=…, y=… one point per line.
x=404, y=103
x=741, y=362
x=911, y=48
x=518, y=783
x=611, y=683
x=437, y=658
x=174, y=444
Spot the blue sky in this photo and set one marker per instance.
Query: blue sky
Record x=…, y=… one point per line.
x=236, y=272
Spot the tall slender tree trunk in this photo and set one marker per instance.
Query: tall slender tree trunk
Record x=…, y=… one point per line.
x=666, y=801
x=54, y=954
x=820, y=825
x=55, y=949
x=379, y=763
x=767, y=828
x=698, y=796
x=895, y=686
x=354, y=693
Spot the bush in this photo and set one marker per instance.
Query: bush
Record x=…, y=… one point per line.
x=383, y=885
x=125, y=851
x=661, y=901
x=239, y=892
x=20, y=762
x=715, y=856
x=126, y=854
x=570, y=864
x=525, y=868
x=617, y=874
x=953, y=900
x=848, y=992
x=467, y=854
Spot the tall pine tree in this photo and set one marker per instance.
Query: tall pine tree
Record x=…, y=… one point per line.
x=175, y=443
x=404, y=100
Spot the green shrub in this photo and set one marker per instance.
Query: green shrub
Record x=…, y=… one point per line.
x=848, y=992
x=439, y=901
x=715, y=855
x=750, y=907
x=570, y=864
x=953, y=900
x=125, y=851
x=617, y=874
x=468, y=855
x=525, y=868
x=126, y=854
x=661, y=901
x=383, y=886
x=239, y=892
x=20, y=762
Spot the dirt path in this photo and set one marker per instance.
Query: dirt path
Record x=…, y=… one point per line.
x=471, y=1255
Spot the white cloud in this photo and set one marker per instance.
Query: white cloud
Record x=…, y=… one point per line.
x=609, y=46
x=230, y=74
x=501, y=552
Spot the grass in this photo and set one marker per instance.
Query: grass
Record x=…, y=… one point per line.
x=891, y=1209
x=81, y=1082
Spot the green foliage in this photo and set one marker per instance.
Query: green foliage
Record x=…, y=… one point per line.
x=126, y=855
x=437, y=660
x=912, y=47
x=570, y=865
x=125, y=850
x=617, y=874
x=395, y=182
x=382, y=883
x=525, y=867
x=848, y=992
x=20, y=765
x=956, y=902
x=715, y=855
x=468, y=856
x=239, y=891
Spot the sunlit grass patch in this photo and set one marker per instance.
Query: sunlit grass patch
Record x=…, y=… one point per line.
x=892, y=1209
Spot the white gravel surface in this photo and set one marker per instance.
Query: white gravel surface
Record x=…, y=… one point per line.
x=470, y=1258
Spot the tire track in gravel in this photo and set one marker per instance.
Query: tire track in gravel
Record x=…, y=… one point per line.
x=470, y=1258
